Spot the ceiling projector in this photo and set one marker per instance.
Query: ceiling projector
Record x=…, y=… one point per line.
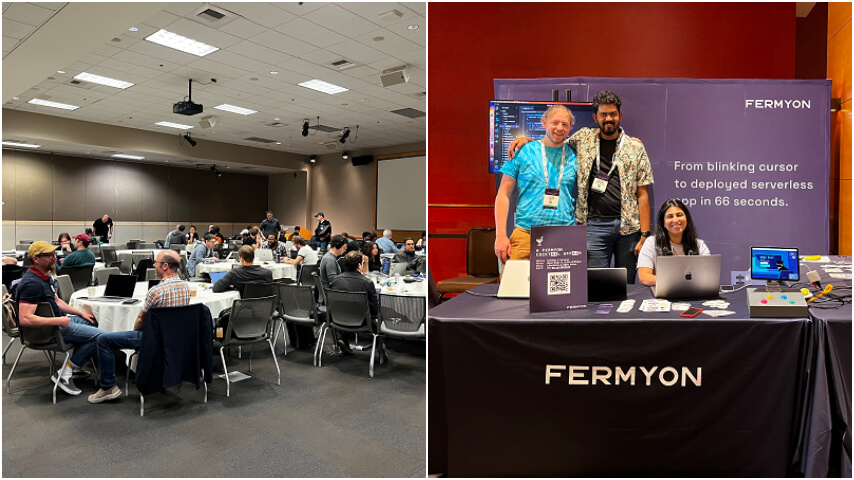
x=187, y=108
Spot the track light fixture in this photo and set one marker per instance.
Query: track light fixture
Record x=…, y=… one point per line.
x=305, y=128
x=345, y=135
x=313, y=159
x=190, y=140
x=345, y=155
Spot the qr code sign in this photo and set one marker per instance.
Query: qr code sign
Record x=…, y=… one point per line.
x=558, y=283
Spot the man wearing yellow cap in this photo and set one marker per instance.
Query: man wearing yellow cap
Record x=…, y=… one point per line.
x=76, y=327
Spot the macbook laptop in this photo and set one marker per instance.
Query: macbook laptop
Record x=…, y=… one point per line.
x=397, y=269
x=687, y=276
x=606, y=284
x=153, y=282
x=215, y=276
x=119, y=288
x=263, y=255
x=515, y=279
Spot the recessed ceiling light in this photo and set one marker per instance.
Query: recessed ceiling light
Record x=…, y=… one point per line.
x=129, y=157
x=412, y=27
x=278, y=143
x=274, y=72
x=133, y=29
x=174, y=125
x=110, y=82
x=179, y=42
x=15, y=98
x=20, y=144
x=322, y=86
x=378, y=39
x=60, y=71
x=46, y=103
x=276, y=119
x=233, y=109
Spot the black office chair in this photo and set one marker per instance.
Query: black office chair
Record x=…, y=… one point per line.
x=300, y=309
x=305, y=277
x=349, y=312
x=249, y=324
x=81, y=277
x=108, y=255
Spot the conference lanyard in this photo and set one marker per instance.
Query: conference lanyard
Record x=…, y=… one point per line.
x=614, y=159
x=552, y=195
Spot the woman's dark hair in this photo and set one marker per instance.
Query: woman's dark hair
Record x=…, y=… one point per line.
x=63, y=235
x=689, y=235
x=367, y=248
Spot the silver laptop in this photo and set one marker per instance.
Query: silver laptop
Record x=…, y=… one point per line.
x=515, y=279
x=263, y=255
x=397, y=269
x=687, y=276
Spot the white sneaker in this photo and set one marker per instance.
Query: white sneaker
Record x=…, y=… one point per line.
x=67, y=385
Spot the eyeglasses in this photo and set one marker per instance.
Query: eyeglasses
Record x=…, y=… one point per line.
x=47, y=255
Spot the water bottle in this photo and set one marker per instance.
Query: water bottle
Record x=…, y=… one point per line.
x=397, y=286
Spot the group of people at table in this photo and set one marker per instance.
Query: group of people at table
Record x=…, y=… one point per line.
x=342, y=266
x=598, y=177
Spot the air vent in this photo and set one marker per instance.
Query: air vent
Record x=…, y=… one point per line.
x=259, y=140
x=213, y=16
x=343, y=64
x=275, y=124
x=325, y=128
x=390, y=15
x=409, y=112
x=79, y=84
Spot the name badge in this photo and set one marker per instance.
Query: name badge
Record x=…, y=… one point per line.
x=600, y=183
x=551, y=199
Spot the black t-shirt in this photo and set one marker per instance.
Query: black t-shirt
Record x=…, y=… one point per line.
x=101, y=228
x=608, y=204
x=32, y=289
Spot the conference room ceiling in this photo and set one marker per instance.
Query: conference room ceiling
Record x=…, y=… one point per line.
x=299, y=42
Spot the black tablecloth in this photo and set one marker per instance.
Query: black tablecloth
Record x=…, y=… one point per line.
x=492, y=413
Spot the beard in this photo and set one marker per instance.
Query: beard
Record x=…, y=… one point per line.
x=52, y=268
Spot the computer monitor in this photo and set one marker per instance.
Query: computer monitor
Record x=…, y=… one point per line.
x=774, y=265
x=510, y=119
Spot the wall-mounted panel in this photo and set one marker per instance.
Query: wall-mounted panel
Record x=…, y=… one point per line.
x=100, y=190
x=34, y=193
x=132, y=191
x=69, y=180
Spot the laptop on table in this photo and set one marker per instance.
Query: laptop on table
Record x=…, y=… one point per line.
x=263, y=255
x=687, y=276
x=119, y=288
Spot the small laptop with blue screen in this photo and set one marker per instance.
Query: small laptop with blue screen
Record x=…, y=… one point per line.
x=215, y=276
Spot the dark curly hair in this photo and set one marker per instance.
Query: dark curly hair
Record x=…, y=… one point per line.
x=606, y=97
x=689, y=235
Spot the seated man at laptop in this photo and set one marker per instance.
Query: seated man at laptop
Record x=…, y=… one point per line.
x=201, y=252
x=170, y=292
x=414, y=262
x=674, y=235
x=237, y=278
x=77, y=327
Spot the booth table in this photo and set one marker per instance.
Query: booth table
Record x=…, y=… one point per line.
x=119, y=317
x=731, y=403
x=280, y=270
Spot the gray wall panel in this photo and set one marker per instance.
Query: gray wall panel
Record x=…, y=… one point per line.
x=69, y=180
x=186, y=195
x=154, y=191
x=10, y=161
x=100, y=190
x=131, y=182
x=34, y=194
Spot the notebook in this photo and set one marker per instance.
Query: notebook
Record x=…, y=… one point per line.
x=687, y=276
x=606, y=284
x=515, y=279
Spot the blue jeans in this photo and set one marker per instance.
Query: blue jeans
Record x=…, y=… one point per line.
x=106, y=343
x=82, y=335
x=604, y=240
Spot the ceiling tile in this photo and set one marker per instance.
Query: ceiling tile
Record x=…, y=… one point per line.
x=371, y=11
x=183, y=8
x=418, y=36
x=9, y=43
x=27, y=13
x=339, y=20
x=260, y=53
x=242, y=28
x=15, y=29
x=283, y=43
x=203, y=33
x=296, y=65
x=311, y=33
x=358, y=52
x=393, y=44
x=236, y=60
x=268, y=15
x=161, y=19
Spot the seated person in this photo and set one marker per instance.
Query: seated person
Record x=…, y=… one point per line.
x=202, y=252
x=371, y=252
x=170, y=292
x=82, y=256
x=674, y=235
x=37, y=286
x=329, y=263
x=65, y=245
x=350, y=247
x=414, y=262
x=176, y=237
x=353, y=280
x=280, y=250
x=305, y=256
x=193, y=236
x=237, y=278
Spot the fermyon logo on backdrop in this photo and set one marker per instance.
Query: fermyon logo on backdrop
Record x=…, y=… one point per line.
x=776, y=104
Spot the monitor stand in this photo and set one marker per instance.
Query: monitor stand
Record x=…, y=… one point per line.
x=773, y=286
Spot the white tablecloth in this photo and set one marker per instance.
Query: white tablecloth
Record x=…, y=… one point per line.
x=413, y=289
x=119, y=317
x=280, y=270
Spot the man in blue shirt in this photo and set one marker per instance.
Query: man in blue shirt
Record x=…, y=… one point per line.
x=385, y=242
x=202, y=251
x=544, y=173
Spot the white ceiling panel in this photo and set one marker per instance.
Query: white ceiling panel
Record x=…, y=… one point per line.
x=259, y=52
x=300, y=8
x=372, y=10
x=358, y=52
x=27, y=13
x=242, y=28
x=339, y=20
x=203, y=33
x=310, y=32
x=393, y=44
x=283, y=43
x=407, y=29
x=160, y=19
x=17, y=30
x=268, y=15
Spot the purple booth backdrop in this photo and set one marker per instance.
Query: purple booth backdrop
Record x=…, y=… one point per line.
x=751, y=158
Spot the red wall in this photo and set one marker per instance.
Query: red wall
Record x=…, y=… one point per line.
x=473, y=43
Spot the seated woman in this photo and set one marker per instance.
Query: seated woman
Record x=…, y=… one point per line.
x=65, y=245
x=372, y=253
x=674, y=235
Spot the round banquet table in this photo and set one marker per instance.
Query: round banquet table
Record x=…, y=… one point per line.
x=120, y=317
x=413, y=289
x=280, y=270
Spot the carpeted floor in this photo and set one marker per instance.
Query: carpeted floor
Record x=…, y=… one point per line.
x=333, y=421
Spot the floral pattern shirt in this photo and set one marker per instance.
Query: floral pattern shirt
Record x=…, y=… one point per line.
x=633, y=166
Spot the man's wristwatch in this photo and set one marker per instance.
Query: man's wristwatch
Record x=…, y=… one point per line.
x=646, y=234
